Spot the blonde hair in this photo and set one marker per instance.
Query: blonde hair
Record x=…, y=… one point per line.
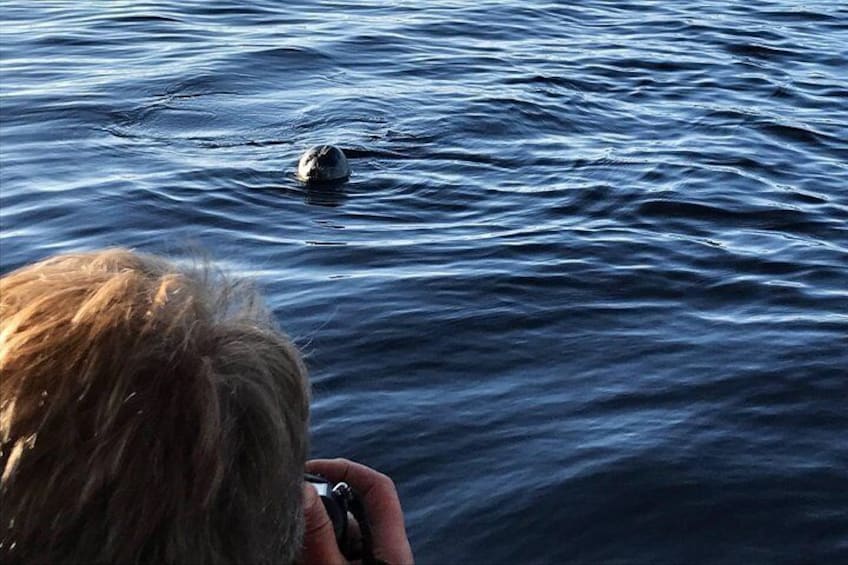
x=146, y=415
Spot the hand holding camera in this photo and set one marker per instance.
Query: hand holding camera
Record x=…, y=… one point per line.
x=383, y=529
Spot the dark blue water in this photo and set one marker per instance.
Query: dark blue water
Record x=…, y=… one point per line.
x=585, y=296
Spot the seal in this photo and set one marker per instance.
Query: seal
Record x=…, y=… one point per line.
x=323, y=163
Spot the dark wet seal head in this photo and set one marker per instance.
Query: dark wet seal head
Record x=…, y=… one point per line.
x=323, y=163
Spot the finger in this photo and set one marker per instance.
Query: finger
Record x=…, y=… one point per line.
x=353, y=537
x=381, y=502
x=319, y=541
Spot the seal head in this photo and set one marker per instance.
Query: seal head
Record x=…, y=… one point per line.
x=323, y=163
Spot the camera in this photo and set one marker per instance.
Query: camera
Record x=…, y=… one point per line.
x=350, y=522
x=339, y=501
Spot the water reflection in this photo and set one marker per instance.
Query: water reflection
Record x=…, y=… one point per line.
x=330, y=194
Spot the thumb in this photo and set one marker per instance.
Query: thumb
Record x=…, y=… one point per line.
x=319, y=541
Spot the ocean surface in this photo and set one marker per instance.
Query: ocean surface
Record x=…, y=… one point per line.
x=585, y=295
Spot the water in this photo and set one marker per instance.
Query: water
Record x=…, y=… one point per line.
x=585, y=296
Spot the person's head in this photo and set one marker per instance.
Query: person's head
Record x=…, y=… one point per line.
x=148, y=413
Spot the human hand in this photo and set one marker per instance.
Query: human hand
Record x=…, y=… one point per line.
x=382, y=506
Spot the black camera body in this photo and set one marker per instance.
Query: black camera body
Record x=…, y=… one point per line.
x=344, y=508
x=338, y=499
